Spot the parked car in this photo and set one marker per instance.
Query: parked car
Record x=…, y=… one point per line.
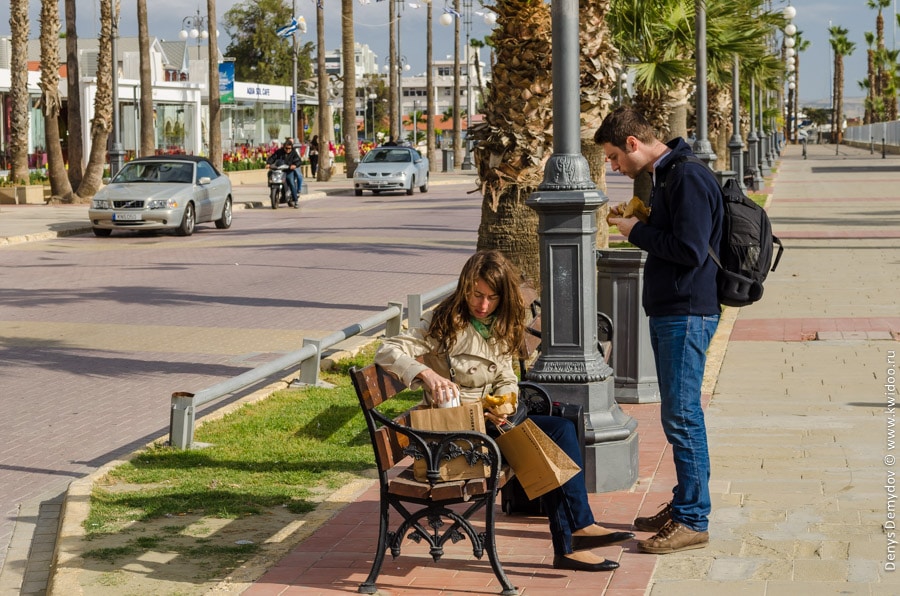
x=163, y=192
x=391, y=168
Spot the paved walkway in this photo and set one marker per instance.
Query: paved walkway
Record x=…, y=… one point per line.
x=803, y=473
x=801, y=432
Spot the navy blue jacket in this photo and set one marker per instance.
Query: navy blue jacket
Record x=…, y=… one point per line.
x=685, y=219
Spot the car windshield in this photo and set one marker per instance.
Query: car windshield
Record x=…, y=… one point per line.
x=156, y=171
x=387, y=154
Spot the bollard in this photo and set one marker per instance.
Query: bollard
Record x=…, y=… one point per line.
x=181, y=420
x=883, y=152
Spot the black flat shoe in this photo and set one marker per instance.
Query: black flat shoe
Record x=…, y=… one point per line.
x=563, y=562
x=589, y=542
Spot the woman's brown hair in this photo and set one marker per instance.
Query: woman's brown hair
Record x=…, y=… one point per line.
x=452, y=315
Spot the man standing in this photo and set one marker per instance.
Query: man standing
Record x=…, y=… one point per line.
x=681, y=302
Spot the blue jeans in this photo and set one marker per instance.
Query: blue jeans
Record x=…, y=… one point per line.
x=567, y=507
x=292, y=177
x=679, y=349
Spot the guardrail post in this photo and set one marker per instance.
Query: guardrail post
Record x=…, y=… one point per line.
x=394, y=324
x=181, y=420
x=309, y=368
x=414, y=309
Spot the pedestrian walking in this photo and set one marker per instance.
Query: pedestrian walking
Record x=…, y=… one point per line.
x=680, y=299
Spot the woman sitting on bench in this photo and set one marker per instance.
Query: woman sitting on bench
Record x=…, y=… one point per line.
x=467, y=345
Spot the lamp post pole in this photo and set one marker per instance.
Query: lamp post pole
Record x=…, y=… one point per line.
x=753, y=140
x=570, y=365
x=116, y=152
x=735, y=144
x=467, y=19
x=702, y=147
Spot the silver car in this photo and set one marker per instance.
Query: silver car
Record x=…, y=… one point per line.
x=163, y=192
x=391, y=168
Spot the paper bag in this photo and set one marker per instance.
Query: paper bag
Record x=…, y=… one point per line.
x=539, y=463
x=468, y=416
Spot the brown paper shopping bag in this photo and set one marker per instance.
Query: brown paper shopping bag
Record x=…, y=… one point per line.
x=465, y=417
x=539, y=463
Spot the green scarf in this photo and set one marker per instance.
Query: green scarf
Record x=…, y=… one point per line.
x=483, y=326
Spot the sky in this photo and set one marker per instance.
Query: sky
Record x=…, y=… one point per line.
x=813, y=19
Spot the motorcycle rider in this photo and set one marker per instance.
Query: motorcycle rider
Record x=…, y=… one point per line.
x=291, y=158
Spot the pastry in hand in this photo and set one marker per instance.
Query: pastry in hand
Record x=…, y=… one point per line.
x=636, y=208
x=501, y=405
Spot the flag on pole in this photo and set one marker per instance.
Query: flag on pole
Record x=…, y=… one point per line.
x=450, y=11
x=288, y=30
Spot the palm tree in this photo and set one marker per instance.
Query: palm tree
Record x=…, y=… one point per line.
x=599, y=67
x=103, y=108
x=868, y=85
x=842, y=47
x=457, y=111
x=802, y=44
x=148, y=134
x=879, y=36
x=75, y=142
x=351, y=135
x=515, y=136
x=50, y=101
x=654, y=38
x=212, y=59
x=393, y=61
x=18, y=91
x=323, y=122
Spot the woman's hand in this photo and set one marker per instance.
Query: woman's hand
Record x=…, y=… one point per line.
x=441, y=389
x=499, y=421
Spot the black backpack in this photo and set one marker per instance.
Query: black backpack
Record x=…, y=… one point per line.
x=745, y=255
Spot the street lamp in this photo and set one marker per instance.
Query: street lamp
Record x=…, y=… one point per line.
x=116, y=153
x=735, y=144
x=195, y=27
x=788, y=43
x=702, y=147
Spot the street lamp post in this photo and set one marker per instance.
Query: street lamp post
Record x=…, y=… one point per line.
x=195, y=27
x=753, y=140
x=570, y=365
x=735, y=144
x=702, y=147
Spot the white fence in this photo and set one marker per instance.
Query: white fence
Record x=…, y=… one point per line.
x=875, y=134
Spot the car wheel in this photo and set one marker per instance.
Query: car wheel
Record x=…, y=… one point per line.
x=412, y=184
x=357, y=192
x=101, y=232
x=187, y=222
x=225, y=221
x=424, y=187
x=273, y=196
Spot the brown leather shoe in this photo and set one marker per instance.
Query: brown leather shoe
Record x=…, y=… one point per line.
x=672, y=538
x=654, y=523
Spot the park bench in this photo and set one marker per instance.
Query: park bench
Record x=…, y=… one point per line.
x=423, y=506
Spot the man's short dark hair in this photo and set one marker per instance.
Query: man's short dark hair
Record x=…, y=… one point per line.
x=621, y=123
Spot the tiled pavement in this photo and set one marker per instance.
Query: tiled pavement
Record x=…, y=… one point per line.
x=798, y=419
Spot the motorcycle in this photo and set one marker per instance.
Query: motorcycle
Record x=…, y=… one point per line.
x=278, y=188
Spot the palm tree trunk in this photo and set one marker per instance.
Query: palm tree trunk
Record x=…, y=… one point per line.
x=430, y=135
x=102, y=121
x=393, y=60
x=51, y=102
x=75, y=140
x=351, y=135
x=18, y=91
x=457, y=114
x=324, y=115
x=148, y=133
x=215, y=117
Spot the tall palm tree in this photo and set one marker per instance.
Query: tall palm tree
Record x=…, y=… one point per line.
x=868, y=85
x=323, y=122
x=148, y=134
x=802, y=44
x=842, y=47
x=351, y=135
x=516, y=134
x=393, y=60
x=75, y=141
x=599, y=68
x=101, y=124
x=212, y=59
x=51, y=103
x=18, y=91
x=879, y=5
x=457, y=110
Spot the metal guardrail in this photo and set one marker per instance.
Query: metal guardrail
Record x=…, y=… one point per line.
x=184, y=404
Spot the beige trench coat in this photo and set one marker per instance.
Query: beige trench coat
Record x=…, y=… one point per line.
x=479, y=366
